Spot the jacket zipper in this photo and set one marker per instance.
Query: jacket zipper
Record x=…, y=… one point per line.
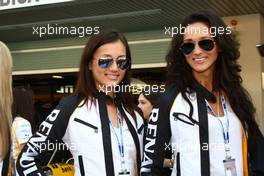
x=80, y=159
x=87, y=124
x=178, y=166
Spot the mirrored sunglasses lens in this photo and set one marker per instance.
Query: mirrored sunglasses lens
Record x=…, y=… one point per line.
x=104, y=62
x=122, y=63
x=187, y=48
x=206, y=45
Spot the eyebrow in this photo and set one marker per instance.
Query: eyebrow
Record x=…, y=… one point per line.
x=204, y=37
x=141, y=101
x=109, y=55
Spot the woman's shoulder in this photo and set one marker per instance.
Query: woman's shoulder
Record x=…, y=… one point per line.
x=69, y=102
x=168, y=95
x=21, y=121
x=138, y=116
x=70, y=99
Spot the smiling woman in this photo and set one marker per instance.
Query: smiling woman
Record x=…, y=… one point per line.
x=100, y=130
x=209, y=106
x=200, y=50
x=109, y=64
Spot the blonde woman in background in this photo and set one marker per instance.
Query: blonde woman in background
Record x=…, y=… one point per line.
x=5, y=106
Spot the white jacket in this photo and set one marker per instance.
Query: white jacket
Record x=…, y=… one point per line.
x=171, y=128
x=82, y=132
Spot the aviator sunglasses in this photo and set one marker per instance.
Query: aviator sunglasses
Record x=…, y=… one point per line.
x=106, y=61
x=205, y=44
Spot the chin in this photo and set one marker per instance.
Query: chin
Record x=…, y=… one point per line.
x=112, y=83
x=200, y=69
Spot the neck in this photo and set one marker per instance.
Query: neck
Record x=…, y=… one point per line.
x=111, y=94
x=205, y=79
x=106, y=89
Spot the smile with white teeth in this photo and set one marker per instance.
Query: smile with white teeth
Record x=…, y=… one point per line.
x=112, y=76
x=199, y=59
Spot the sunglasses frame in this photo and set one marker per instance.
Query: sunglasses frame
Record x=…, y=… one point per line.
x=194, y=45
x=110, y=60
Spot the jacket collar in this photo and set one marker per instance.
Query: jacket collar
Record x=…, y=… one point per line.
x=201, y=89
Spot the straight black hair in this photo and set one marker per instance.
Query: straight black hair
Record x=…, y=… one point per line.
x=85, y=87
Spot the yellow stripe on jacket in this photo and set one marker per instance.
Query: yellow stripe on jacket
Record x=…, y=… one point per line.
x=244, y=152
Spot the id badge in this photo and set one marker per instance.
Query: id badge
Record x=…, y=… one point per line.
x=124, y=173
x=230, y=167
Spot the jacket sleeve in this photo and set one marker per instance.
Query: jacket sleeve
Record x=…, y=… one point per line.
x=156, y=142
x=256, y=152
x=45, y=140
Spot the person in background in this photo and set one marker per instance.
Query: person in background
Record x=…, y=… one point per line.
x=205, y=116
x=5, y=106
x=98, y=124
x=146, y=101
x=23, y=115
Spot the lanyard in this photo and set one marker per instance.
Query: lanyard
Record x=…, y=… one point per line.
x=225, y=133
x=120, y=142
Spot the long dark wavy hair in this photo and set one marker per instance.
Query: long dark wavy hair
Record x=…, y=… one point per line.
x=227, y=70
x=86, y=87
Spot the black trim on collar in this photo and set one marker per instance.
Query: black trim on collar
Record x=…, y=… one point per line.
x=106, y=135
x=206, y=94
x=204, y=137
x=140, y=129
x=104, y=96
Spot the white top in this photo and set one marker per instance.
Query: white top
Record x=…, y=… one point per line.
x=1, y=165
x=85, y=141
x=21, y=132
x=185, y=139
x=83, y=135
x=216, y=140
x=129, y=150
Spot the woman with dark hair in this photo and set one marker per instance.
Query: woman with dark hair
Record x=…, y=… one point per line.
x=206, y=117
x=146, y=101
x=99, y=124
x=23, y=114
